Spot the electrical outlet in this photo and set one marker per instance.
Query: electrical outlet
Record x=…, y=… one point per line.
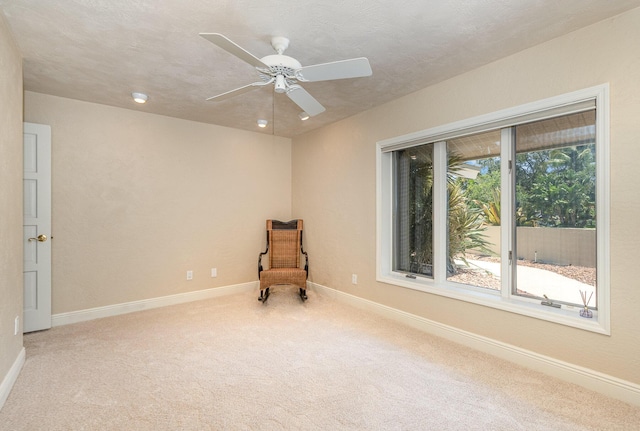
x=189, y=275
x=16, y=327
x=354, y=278
x=214, y=272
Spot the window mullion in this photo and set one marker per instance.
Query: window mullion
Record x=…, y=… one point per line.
x=440, y=204
x=507, y=211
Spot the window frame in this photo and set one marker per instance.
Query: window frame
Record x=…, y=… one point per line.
x=598, y=97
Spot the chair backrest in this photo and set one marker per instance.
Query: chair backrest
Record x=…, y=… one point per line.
x=284, y=243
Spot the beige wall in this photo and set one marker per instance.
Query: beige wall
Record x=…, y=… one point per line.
x=10, y=198
x=139, y=199
x=334, y=188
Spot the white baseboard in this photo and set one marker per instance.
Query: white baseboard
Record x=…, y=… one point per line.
x=605, y=384
x=147, y=304
x=11, y=377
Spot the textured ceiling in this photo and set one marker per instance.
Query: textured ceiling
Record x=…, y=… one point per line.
x=102, y=50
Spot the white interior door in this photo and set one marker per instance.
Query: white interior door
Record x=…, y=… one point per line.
x=37, y=227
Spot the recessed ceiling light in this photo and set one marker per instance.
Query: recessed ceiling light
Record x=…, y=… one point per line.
x=262, y=123
x=303, y=116
x=139, y=97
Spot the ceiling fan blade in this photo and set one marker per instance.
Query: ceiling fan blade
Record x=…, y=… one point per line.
x=238, y=91
x=304, y=100
x=353, y=68
x=232, y=48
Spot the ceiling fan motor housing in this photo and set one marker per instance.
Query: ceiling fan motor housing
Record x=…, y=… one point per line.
x=281, y=63
x=282, y=68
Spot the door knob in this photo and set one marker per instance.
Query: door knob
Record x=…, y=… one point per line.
x=42, y=238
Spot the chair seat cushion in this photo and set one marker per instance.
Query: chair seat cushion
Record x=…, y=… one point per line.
x=295, y=276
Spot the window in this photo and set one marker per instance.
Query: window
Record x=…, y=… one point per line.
x=508, y=210
x=413, y=250
x=473, y=190
x=555, y=218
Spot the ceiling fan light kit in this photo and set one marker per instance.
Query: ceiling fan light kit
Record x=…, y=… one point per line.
x=285, y=72
x=281, y=84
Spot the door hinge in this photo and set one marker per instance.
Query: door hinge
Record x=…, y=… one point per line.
x=510, y=256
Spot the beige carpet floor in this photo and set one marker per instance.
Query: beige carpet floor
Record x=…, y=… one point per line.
x=232, y=363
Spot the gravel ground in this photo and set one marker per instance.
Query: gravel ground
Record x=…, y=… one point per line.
x=478, y=277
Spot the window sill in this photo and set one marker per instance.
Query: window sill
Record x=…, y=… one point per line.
x=567, y=315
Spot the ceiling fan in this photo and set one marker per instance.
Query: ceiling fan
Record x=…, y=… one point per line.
x=285, y=72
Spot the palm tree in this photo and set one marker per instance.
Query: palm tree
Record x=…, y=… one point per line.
x=465, y=223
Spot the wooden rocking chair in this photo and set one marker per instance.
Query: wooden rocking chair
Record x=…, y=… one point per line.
x=284, y=245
